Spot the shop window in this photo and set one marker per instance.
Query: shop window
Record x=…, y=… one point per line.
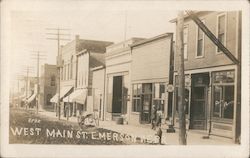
x=136, y=103
x=223, y=94
x=159, y=95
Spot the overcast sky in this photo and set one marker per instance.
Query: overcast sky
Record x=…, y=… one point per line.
x=89, y=20
x=25, y=23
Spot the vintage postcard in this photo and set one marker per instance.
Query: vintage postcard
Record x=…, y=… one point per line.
x=124, y=78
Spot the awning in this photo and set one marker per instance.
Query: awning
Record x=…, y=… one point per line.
x=80, y=96
x=31, y=98
x=64, y=91
x=73, y=95
x=54, y=99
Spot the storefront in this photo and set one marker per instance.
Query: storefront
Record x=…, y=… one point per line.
x=209, y=100
x=150, y=76
x=144, y=96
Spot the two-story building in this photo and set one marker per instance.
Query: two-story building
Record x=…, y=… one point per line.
x=47, y=87
x=211, y=78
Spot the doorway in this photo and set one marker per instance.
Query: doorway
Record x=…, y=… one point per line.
x=198, y=108
x=146, y=103
x=117, y=95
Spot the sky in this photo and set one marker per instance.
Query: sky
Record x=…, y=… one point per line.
x=24, y=24
x=29, y=27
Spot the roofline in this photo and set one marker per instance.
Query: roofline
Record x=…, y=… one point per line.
x=121, y=42
x=97, y=68
x=187, y=16
x=152, y=39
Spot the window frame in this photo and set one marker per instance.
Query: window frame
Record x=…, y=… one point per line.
x=137, y=98
x=222, y=85
x=217, y=31
x=203, y=42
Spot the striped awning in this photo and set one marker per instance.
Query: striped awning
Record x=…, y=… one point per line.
x=31, y=98
x=74, y=95
x=81, y=96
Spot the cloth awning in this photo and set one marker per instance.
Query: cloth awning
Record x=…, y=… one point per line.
x=64, y=91
x=80, y=96
x=73, y=95
x=54, y=99
x=31, y=98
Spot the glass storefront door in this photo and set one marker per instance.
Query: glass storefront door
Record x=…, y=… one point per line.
x=146, y=103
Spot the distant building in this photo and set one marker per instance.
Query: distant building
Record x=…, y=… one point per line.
x=47, y=86
x=78, y=57
x=212, y=88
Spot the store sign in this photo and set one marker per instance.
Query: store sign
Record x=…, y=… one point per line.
x=170, y=88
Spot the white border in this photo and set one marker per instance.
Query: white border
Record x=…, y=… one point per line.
x=127, y=151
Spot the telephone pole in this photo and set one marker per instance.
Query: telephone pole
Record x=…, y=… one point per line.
x=58, y=36
x=181, y=88
x=38, y=56
x=28, y=69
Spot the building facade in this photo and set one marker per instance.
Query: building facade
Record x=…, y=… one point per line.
x=77, y=58
x=47, y=86
x=150, y=76
x=117, y=79
x=211, y=78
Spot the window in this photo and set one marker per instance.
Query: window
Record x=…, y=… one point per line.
x=136, y=103
x=200, y=42
x=159, y=95
x=185, y=41
x=68, y=72
x=223, y=94
x=64, y=73
x=53, y=80
x=71, y=68
x=221, y=35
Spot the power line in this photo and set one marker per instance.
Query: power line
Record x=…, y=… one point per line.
x=59, y=36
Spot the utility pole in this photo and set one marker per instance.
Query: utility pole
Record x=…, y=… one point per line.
x=181, y=75
x=58, y=37
x=28, y=69
x=38, y=56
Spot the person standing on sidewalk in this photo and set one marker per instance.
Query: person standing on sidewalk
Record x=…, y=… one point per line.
x=158, y=116
x=153, y=117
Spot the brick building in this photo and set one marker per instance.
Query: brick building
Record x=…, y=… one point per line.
x=47, y=86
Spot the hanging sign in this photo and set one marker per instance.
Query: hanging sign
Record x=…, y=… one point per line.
x=170, y=88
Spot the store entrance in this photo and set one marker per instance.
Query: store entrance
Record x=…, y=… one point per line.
x=198, y=108
x=146, y=103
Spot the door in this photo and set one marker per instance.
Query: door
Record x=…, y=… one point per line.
x=146, y=103
x=198, y=108
x=117, y=95
x=198, y=112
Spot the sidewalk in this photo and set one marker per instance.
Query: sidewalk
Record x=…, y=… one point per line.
x=193, y=137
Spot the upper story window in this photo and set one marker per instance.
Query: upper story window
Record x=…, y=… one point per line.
x=200, y=42
x=185, y=41
x=53, y=80
x=221, y=29
x=71, y=67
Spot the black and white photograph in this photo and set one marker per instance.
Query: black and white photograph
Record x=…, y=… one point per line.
x=124, y=78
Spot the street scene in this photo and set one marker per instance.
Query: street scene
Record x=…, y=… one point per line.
x=126, y=85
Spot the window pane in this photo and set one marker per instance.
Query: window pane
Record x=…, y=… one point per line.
x=199, y=47
x=223, y=101
x=221, y=25
x=156, y=90
x=223, y=77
